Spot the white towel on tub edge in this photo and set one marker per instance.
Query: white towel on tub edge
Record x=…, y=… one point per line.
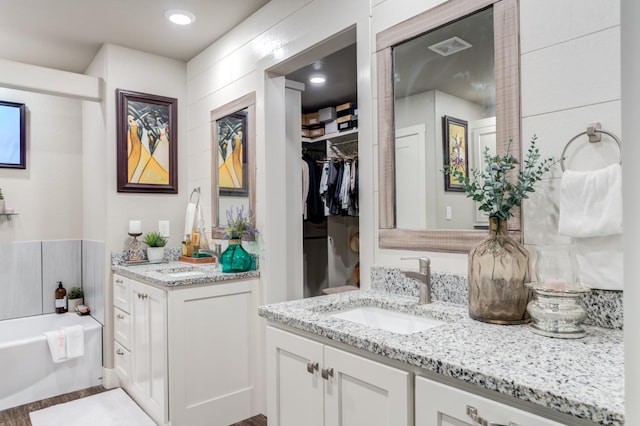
x=75, y=341
x=57, y=345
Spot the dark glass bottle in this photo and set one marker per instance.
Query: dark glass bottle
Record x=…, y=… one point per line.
x=61, y=299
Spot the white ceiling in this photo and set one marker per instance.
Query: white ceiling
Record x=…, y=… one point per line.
x=66, y=34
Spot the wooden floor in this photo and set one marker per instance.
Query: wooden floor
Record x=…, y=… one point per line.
x=19, y=416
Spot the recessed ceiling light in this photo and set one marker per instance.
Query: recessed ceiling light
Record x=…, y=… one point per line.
x=317, y=79
x=180, y=17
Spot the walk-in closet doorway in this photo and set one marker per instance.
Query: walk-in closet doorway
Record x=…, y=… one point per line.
x=322, y=224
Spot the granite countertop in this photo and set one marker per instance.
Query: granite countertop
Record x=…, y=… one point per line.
x=175, y=273
x=581, y=377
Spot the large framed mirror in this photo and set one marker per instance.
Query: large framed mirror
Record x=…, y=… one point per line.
x=448, y=88
x=233, y=172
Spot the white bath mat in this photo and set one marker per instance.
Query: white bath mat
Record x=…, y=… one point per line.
x=110, y=408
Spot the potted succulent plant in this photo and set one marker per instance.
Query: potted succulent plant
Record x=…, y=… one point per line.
x=75, y=298
x=155, y=242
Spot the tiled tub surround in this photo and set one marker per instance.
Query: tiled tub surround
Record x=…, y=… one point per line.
x=30, y=271
x=582, y=377
x=604, y=307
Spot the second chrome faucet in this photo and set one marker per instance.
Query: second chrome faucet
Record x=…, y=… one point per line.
x=423, y=276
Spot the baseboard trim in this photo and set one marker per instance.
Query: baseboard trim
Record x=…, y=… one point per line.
x=109, y=378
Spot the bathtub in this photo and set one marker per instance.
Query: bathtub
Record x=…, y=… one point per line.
x=29, y=374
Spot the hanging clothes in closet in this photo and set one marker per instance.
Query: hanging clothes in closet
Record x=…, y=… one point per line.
x=312, y=205
x=338, y=187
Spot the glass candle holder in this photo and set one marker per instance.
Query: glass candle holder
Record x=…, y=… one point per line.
x=556, y=266
x=556, y=310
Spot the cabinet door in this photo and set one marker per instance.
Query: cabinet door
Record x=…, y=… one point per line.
x=121, y=291
x=149, y=349
x=364, y=392
x=294, y=385
x=213, y=356
x=441, y=405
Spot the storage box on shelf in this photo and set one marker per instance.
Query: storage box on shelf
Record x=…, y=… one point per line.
x=327, y=115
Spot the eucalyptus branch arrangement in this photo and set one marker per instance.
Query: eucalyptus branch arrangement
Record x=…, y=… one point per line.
x=240, y=225
x=500, y=187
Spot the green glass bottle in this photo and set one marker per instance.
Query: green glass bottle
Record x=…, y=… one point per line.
x=235, y=258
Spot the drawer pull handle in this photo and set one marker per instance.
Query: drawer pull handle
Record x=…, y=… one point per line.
x=119, y=281
x=120, y=316
x=326, y=373
x=119, y=352
x=312, y=366
x=472, y=412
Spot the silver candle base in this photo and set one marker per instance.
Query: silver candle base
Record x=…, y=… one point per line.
x=135, y=249
x=557, y=312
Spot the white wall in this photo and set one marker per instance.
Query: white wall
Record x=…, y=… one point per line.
x=47, y=194
x=562, y=95
x=235, y=66
x=107, y=212
x=630, y=112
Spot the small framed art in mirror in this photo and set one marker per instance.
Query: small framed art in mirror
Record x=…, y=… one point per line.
x=233, y=160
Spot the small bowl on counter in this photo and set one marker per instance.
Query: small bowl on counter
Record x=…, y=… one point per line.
x=556, y=310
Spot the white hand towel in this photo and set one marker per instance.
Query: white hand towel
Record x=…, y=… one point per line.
x=57, y=345
x=75, y=341
x=190, y=216
x=591, y=203
x=600, y=261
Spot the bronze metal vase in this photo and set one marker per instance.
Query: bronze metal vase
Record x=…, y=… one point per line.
x=498, y=271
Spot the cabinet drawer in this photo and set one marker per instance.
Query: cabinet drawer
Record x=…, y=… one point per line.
x=121, y=293
x=122, y=329
x=122, y=358
x=442, y=405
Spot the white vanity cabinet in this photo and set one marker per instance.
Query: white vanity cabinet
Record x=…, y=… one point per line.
x=140, y=334
x=440, y=405
x=312, y=384
x=187, y=355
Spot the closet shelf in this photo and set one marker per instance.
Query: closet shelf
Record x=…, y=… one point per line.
x=334, y=137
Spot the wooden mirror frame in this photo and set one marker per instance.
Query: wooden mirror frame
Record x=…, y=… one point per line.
x=507, y=75
x=247, y=102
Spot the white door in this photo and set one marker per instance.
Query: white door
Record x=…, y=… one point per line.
x=148, y=349
x=410, y=178
x=364, y=392
x=441, y=405
x=294, y=385
x=157, y=357
x=483, y=136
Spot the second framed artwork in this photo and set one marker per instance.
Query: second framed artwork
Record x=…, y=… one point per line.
x=455, y=151
x=231, y=132
x=147, y=143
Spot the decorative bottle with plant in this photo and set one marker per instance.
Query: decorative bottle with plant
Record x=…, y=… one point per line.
x=499, y=265
x=239, y=226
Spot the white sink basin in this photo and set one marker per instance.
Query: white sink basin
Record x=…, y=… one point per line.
x=185, y=274
x=384, y=319
x=181, y=272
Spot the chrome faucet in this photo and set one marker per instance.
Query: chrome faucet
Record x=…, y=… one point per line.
x=423, y=277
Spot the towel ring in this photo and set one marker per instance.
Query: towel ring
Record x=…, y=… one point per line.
x=196, y=191
x=591, y=131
